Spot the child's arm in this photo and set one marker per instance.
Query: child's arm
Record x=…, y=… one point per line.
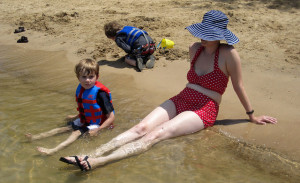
x=72, y=117
x=120, y=41
x=110, y=119
x=107, y=108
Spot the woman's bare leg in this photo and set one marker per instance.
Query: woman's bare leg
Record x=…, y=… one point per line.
x=52, y=132
x=74, y=136
x=161, y=114
x=185, y=123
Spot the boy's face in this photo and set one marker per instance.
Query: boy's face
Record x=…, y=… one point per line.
x=87, y=81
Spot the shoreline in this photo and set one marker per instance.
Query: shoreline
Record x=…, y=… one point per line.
x=231, y=121
x=268, y=50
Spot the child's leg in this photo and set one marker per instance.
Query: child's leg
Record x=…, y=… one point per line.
x=52, y=132
x=130, y=61
x=74, y=136
x=150, y=62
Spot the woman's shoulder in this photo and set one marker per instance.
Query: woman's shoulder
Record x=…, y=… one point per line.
x=229, y=53
x=227, y=49
x=195, y=45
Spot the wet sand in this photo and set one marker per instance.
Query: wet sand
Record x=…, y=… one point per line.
x=269, y=41
x=39, y=85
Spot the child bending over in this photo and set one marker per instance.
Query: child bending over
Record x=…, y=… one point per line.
x=134, y=41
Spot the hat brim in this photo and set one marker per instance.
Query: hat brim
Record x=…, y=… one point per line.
x=210, y=33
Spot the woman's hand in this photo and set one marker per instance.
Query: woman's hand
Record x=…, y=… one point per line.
x=262, y=120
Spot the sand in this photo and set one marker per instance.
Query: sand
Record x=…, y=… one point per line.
x=269, y=50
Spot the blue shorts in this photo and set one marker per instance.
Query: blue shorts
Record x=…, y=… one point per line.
x=77, y=125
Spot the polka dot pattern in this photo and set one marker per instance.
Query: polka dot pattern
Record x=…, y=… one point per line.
x=216, y=80
x=192, y=100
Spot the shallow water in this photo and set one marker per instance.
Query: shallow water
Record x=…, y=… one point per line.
x=37, y=93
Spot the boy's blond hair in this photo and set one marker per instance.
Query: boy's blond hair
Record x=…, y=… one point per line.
x=112, y=28
x=86, y=66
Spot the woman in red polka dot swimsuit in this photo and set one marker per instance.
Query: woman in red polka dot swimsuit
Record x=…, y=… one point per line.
x=194, y=108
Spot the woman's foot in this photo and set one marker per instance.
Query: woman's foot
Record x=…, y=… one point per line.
x=84, y=162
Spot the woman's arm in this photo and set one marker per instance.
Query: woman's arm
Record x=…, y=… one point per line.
x=233, y=66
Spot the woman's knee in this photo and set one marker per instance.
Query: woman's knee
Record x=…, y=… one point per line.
x=156, y=136
x=140, y=129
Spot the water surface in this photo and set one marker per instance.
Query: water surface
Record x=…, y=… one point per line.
x=37, y=93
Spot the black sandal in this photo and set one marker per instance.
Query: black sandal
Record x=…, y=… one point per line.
x=20, y=29
x=80, y=166
x=23, y=40
x=63, y=159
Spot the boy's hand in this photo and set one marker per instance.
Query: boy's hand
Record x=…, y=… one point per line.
x=71, y=117
x=93, y=132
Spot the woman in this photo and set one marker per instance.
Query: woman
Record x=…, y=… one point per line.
x=194, y=108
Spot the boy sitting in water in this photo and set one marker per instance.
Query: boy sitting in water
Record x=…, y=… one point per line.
x=94, y=105
x=134, y=41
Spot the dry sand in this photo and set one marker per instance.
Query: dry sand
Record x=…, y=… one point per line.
x=269, y=49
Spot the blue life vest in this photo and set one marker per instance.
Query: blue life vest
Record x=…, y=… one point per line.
x=89, y=110
x=132, y=34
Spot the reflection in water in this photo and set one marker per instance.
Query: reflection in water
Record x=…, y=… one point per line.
x=37, y=92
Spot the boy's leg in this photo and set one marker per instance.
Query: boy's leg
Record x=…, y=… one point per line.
x=74, y=136
x=52, y=132
x=130, y=61
x=138, y=63
x=150, y=62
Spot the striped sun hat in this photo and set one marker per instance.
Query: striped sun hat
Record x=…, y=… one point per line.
x=213, y=27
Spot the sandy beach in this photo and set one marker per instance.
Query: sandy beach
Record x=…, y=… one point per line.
x=269, y=50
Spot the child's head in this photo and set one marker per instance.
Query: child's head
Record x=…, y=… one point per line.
x=87, y=67
x=111, y=29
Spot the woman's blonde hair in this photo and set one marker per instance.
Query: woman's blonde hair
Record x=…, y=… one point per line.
x=86, y=66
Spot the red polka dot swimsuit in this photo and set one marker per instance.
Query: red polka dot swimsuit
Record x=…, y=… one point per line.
x=191, y=100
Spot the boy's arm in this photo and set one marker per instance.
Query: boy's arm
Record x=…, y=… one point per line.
x=106, y=124
x=107, y=108
x=109, y=120
x=120, y=41
x=72, y=117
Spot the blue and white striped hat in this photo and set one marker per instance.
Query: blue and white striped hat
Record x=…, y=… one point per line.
x=213, y=27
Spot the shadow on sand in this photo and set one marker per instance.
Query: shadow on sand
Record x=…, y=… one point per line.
x=119, y=63
x=230, y=121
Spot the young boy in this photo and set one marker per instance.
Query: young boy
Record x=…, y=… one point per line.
x=94, y=105
x=134, y=41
